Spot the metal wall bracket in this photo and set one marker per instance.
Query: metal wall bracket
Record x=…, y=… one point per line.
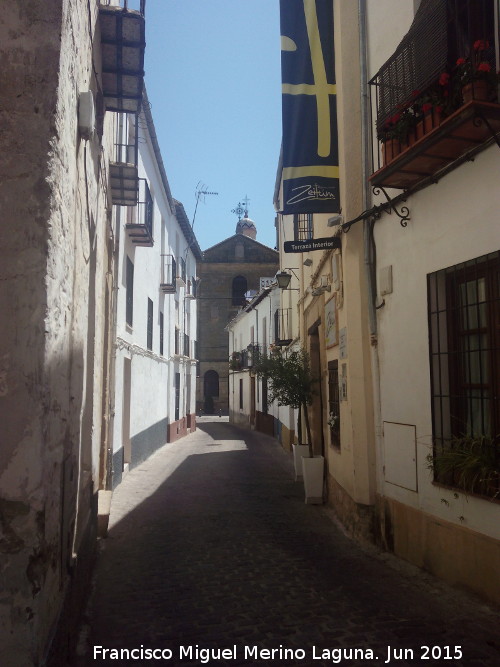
x=403, y=214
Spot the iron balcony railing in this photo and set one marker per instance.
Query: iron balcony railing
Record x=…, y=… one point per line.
x=136, y=5
x=282, y=326
x=123, y=42
x=181, y=270
x=123, y=172
x=168, y=280
x=426, y=116
x=191, y=288
x=140, y=223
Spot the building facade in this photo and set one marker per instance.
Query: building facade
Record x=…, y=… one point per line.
x=229, y=272
x=58, y=235
x=155, y=366
x=437, y=293
x=256, y=329
x=399, y=317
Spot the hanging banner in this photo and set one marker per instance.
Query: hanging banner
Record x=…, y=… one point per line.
x=309, y=108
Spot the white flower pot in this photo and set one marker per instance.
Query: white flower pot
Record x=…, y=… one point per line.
x=298, y=452
x=313, y=469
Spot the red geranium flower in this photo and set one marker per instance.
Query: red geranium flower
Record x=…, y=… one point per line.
x=461, y=61
x=427, y=106
x=484, y=67
x=481, y=45
x=444, y=79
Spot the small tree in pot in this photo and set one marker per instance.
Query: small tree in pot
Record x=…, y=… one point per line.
x=290, y=383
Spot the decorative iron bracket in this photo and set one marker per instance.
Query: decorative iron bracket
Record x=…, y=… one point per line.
x=478, y=119
x=403, y=214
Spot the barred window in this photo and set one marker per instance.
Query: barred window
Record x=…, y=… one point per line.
x=464, y=321
x=302, y=226
x=334, y=403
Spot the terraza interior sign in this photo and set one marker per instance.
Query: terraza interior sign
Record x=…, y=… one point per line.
x=313, y=244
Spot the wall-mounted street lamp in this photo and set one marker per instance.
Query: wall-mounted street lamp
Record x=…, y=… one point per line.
x=283, y=279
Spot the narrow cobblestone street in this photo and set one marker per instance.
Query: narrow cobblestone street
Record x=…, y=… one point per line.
x=211, y=546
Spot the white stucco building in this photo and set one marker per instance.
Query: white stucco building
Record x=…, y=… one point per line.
x=401, y=318
x=260, y=324
x=438, y=349
x=155, y=366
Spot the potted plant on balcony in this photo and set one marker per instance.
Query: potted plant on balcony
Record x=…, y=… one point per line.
x=236, y=361
x=475, y=75
x=429, y=106
x=469, y=463
x=291, y=383
x=396, y=132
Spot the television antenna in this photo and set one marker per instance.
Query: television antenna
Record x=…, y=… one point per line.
x=201, y=191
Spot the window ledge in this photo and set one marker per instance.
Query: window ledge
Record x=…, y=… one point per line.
x=459, y=491
x=467, y=131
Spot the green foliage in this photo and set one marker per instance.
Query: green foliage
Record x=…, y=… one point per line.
x=290, y=382
x=469, y=463
x=289, y=377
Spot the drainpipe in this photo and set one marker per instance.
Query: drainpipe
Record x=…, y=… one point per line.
x=369, y=243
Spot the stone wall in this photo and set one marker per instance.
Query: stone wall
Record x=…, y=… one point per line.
x=54, y=252
x=236, y=256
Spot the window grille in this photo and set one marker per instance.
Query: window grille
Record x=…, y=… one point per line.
x=302, y=226
x=334, y=403
x=464, y=323
x=442, y=31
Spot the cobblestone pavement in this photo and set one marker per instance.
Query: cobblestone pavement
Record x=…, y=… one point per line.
x=212, y=547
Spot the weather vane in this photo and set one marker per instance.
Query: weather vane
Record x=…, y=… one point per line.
x=242, y=208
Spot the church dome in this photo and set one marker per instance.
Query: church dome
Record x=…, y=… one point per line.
x=246, y=227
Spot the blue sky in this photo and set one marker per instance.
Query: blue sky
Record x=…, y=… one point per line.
x=213, y=81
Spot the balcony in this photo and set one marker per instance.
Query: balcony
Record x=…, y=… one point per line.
x=283, y=327
x=252, y=356
x=436, y=98
x=139, y=227
x=457, y=138
x=124, y=177
x=168, y=283
x=181, y=272
x=237, y=361
x=122, y=45
x=191, y=288
x=186, y=348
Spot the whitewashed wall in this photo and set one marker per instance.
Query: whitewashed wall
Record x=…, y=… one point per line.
x=452, y=221
x=152, y=393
